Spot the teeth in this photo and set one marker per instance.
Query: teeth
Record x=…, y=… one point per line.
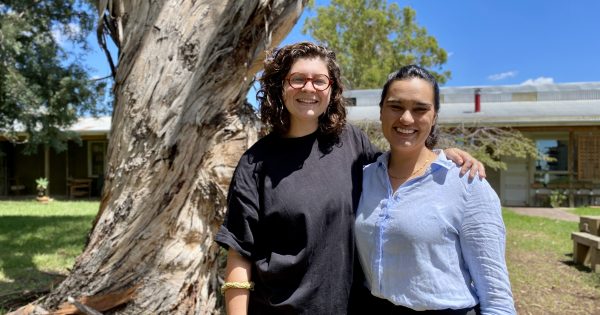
x=307, y=101
x=406, y=131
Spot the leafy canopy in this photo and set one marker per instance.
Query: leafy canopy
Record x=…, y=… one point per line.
x=373, y=39
x=43, y=88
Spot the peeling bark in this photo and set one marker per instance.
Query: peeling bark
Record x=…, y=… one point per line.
x=180, y=124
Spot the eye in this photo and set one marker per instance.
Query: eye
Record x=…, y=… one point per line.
x=394, y=106
x=320, y=82
x=421, y=109
x=297, y=79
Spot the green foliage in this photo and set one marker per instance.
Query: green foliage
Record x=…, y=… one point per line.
x=43, y=89
x=557, y=198
x=372, y=39
x=41, y=183
x=489, y=144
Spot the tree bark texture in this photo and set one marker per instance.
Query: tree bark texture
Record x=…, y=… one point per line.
x=179, y=125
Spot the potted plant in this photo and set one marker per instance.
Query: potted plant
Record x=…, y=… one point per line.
x=41, y=185
x=557, y=198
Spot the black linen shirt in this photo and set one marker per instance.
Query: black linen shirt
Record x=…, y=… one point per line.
x=290, y=211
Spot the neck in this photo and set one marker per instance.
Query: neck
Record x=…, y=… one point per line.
x=301, y=128
x=405, y=164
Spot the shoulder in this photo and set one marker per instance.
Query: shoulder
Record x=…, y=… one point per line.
x=260, y=148
x=353, y=131
x=359, y=139
x=470, y=188
x=251, y=160
x=470, y=185
x=371, y=168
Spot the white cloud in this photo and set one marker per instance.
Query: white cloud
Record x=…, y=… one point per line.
x=538, y=81
x=503, y=75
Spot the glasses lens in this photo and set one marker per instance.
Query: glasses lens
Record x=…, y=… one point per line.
x=320, y=82
x=297, y=80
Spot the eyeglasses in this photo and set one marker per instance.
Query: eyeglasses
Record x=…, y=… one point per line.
x=298, y=80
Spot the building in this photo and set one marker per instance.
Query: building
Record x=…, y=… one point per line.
x=562, y=119
x=78, y=170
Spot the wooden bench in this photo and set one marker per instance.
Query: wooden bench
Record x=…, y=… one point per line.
x=586, y=242
x=590, y=224
x=80, y=187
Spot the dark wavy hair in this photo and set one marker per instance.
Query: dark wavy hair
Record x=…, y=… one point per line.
x=410, y=72
x=270, y=95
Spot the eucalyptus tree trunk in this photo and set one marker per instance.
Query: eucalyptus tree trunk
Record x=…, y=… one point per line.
x=179, y=125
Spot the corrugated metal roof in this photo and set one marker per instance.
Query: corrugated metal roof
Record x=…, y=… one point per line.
x=571, y=104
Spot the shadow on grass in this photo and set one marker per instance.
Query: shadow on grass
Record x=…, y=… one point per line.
x=569, y=262
x=37, y=252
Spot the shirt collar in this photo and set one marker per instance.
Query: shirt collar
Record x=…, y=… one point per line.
x=442, y=160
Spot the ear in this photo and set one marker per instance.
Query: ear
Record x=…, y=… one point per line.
x=380, y=110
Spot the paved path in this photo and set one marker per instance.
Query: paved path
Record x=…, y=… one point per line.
x=551, y=213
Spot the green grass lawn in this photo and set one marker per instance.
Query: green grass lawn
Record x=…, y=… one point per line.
x=586, y=211
x=39, y=242
x=543, y=277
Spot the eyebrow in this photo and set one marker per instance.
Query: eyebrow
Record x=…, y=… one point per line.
x=400, y=101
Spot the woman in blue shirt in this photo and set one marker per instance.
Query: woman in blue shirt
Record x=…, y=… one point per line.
x=428, y=239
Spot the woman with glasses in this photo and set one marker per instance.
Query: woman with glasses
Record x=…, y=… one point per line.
x=291, y=201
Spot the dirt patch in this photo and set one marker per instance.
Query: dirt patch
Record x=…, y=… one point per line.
x=551, y=285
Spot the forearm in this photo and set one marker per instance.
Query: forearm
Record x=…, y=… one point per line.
x=237, y=270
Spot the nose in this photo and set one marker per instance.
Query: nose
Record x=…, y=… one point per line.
x=308, y=85
x=406, y=117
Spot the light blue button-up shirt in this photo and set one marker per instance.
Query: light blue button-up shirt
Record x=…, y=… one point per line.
x=436, y=242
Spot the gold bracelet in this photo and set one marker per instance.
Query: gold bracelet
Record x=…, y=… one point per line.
x=248, y=285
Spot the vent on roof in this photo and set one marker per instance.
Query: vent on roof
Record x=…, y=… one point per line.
x=477, y=100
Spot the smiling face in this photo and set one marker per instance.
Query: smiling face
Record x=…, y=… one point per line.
x=408, y=114
x=306, y=104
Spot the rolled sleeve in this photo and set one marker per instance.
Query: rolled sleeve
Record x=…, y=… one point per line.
x=239, y=227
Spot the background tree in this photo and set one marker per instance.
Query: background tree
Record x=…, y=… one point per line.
x=180, y=124
x=44, y=89
x=488, y=144
x=372, y=39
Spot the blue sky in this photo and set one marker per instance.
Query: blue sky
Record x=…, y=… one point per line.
x=494, y=42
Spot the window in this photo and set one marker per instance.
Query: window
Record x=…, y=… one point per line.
x=557, y=150
x=96, y=158
x=556, y=169
x=350, y=101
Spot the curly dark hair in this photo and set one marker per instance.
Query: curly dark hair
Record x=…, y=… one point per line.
x=410, y=72
x=278, y=63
